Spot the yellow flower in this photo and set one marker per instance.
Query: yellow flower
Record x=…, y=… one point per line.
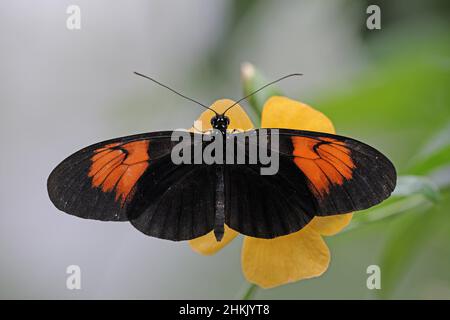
x=300, y=255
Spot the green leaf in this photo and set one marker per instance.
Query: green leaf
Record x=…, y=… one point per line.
x=441, y=177
x=391, y=209
x=412, y=192
x=408, y=236
x=434, y=154
x=409, y=185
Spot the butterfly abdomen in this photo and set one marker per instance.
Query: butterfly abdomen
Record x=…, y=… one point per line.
x=219, y=219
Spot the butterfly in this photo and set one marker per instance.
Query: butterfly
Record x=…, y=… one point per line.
x=135, y=178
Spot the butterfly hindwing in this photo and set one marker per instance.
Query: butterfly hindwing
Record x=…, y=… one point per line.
x=175, y=202
x=267, y=206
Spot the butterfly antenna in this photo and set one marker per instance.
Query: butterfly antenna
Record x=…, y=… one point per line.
x=174, y=91
x=263, y=87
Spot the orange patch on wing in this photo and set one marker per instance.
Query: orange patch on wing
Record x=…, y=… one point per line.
x=100, y=160
x=106, y=169
x=120, y=168
x=323, y=164
x=339, y=153
x=304, y=147
x=111, y=180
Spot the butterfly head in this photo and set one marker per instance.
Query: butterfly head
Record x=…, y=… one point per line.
x=220, y=122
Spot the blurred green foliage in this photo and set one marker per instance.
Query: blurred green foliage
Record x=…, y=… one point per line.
x=405, y=93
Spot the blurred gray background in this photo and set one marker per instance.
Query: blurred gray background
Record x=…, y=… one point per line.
x=61, y=90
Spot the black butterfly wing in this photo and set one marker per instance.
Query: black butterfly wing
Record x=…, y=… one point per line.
x=175, y=202
x=133, y=178
x=99, y=181
x=319, y=174
x=267, y=206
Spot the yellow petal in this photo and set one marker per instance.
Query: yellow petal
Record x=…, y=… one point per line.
x=273, y=262
x=330, y=225
x=238, y=118
x=282, y=112
x=208, y=245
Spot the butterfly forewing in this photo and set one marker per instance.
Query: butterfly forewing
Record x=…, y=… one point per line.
x=99, y=181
